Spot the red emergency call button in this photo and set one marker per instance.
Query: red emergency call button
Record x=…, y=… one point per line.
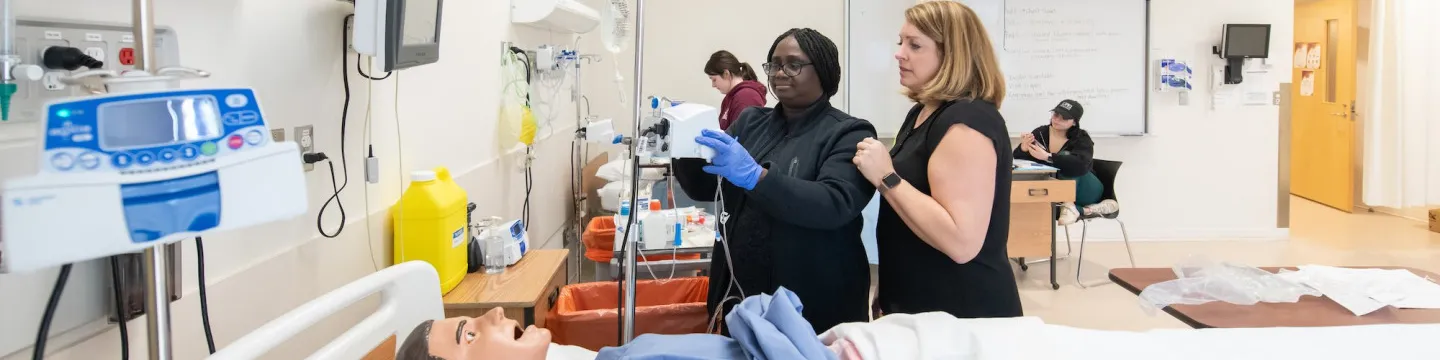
x=127, y=56
x=235, y=141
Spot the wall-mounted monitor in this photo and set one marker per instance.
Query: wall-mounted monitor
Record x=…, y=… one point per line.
x=1239, y=42
x=398, y=33
x=1245, y=41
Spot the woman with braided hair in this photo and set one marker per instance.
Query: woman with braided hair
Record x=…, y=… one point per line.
x=791, y=194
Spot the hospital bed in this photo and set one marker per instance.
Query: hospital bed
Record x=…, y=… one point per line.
x=408, y=297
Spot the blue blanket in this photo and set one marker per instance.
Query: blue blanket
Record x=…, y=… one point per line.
x=763, y=326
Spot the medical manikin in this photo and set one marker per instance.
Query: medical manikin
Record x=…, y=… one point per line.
x=491, y=336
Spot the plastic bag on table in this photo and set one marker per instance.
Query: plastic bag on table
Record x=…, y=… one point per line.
x=1200, y=281
x=585, y=314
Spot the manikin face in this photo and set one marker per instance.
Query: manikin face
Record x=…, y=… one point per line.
x=1059, y=123
x=491, y=336
x=919, y=58
x=723, y=82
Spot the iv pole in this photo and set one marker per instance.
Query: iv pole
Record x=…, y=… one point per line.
x=628, y=318
x=157, y=300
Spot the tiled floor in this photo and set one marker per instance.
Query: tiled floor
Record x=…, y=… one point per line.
x=1318, y=235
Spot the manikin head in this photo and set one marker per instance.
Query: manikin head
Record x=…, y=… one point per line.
x=491, y=336
x=945, y=54
x=726, y=71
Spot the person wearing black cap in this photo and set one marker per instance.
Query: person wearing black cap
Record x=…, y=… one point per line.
x=1069, y=148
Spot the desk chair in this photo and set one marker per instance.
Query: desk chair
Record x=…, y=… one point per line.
x=1105, y=170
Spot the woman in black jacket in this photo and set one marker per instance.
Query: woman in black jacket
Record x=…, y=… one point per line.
x=1069, y=148
x=792, y=196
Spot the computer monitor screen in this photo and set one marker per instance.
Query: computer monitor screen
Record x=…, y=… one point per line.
x=1247, y=41
x=421, y=22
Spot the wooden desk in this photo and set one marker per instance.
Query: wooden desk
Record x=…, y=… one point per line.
x=1310, y=311
x=526, y=289
x=1033, y=198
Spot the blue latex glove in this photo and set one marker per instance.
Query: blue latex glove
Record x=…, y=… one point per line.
x=731, y=159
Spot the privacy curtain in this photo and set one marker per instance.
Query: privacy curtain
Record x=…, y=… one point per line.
x=1402, y=123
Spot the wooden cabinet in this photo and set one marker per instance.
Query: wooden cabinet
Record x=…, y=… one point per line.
x=1031, y=215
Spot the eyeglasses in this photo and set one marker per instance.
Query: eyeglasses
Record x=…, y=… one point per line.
x=791, y=69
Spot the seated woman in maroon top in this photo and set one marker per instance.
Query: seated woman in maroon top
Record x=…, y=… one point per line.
x=737, y=81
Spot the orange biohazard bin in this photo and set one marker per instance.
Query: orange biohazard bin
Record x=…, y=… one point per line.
x=586, y=314
x=599, y=239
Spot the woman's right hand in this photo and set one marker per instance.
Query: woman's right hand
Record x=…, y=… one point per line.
x=731, y=160
x=1026, y=139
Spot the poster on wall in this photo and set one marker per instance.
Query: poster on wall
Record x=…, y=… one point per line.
x=1313, y=60
x=1307, y=83
x=1302, y=55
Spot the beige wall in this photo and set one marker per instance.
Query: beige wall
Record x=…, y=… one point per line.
x=444, y=115
x=289, y=51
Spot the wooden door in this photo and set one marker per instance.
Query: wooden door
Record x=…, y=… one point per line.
x=1322, y=144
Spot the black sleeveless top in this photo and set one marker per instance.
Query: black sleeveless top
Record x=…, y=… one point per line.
x=917, y=278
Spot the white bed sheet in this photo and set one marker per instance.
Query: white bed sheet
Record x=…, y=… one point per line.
x=408, y=297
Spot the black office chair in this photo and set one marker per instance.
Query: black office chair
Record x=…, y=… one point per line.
x=1105, y=170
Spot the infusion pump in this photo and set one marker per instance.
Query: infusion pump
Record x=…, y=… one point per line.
x=124, y=172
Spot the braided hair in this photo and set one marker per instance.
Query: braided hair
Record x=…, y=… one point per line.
x=824, y=56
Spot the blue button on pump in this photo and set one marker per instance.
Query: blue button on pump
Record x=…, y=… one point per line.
x=122, y=160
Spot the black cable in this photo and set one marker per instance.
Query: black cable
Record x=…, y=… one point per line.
x=521, y=52
x=335, y=198
x=625, y=246
x=344, y=120
x=361, y=70
x=50, y=312
x=204, y=299
x=122, y=312
x=529, y=185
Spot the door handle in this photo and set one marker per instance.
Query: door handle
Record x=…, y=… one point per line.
x=1039, y=192
x=1340, y=114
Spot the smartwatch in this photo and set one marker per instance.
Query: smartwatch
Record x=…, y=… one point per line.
x=890, y=181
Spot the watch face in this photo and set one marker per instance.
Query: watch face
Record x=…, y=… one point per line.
x=891, y=180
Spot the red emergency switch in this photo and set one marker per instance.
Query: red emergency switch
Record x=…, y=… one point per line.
x=127, y=56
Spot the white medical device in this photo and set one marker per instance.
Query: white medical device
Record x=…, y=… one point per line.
x=685, y=122
x=126, y=172
x=511, y=233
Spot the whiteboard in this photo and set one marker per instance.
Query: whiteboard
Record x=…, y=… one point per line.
x=1093, y=51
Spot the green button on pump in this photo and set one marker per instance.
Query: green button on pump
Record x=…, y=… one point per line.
x=209, y=148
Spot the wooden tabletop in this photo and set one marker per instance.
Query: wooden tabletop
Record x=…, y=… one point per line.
x=1310, y=311
x=519, y=286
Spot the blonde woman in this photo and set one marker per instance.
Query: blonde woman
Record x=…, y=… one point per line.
x=943, y=225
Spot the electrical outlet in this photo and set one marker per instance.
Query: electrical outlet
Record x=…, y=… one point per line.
x=277, y=135
x=305, y=137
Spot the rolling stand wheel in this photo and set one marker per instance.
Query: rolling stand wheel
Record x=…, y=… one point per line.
x=1024, y=267
x=1055, y=286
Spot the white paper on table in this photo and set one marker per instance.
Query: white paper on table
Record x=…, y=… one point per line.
x=1363, y=291
x=1340, y=286
x=1415, y=292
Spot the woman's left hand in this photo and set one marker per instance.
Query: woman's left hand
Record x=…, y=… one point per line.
x=873, y=160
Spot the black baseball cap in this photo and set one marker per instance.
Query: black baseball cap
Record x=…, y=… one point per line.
x=1069, y=110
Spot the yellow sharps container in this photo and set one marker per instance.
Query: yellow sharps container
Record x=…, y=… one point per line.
x=430, y=225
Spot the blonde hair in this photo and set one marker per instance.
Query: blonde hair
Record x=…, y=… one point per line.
x=968, y=67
